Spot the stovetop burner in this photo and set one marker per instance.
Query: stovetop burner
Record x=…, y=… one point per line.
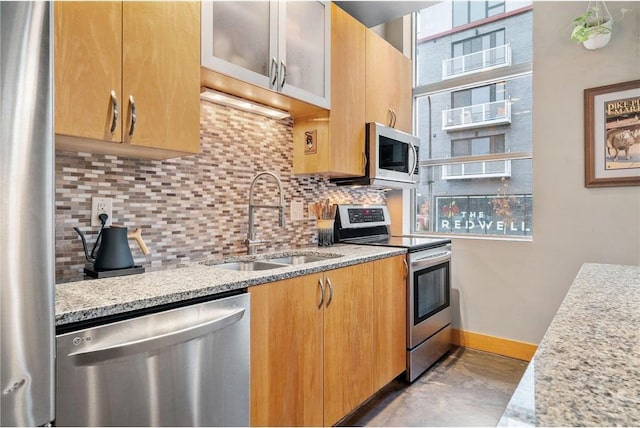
x=368, y=225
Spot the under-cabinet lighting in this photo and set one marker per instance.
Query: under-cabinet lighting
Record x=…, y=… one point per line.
x=241, y=104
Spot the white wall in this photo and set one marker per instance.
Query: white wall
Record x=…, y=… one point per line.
x=513, y=289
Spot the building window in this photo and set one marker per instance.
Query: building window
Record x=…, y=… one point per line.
x=478, y=146
x=478, y=53
x=475, y=132
x=465, y=12
x=479, y=95
x=477, y=43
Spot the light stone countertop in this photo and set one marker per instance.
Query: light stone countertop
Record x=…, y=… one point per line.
x=96, y=298
x=586, y=371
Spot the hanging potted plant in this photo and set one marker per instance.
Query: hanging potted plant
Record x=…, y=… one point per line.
x=593, y=28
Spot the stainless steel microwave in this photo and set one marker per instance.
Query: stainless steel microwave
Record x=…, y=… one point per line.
x=392, y=159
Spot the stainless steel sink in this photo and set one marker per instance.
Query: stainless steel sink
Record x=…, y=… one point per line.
x=249, y=266
x=299, y=259
x=275, y=262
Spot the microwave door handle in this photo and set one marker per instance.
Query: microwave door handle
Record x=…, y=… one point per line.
x=415, y=160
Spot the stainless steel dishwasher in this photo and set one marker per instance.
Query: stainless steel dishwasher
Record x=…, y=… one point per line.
x=182, y=367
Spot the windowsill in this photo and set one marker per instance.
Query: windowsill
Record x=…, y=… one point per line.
x=473, y=236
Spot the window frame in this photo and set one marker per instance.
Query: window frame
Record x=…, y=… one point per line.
x=410, y=197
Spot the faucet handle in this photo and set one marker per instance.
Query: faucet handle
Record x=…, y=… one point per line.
x=253, y=243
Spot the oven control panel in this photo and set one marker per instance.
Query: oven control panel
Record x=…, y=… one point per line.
x=365, y=215
x=361, y=216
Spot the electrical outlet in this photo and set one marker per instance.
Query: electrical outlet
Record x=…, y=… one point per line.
x=297, y=210
x=99, y=206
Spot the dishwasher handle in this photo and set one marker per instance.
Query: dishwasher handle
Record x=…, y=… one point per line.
x=112, y=351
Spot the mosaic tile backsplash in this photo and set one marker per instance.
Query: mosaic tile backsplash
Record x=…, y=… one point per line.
x=196, y=207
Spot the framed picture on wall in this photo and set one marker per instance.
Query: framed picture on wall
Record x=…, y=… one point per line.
x=612, y=135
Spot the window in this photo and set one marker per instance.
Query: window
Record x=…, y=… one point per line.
x=465, y=12
x=478, y=43
x=479, y=95
x=477, y=146
x=475, y=133
x=476, y=54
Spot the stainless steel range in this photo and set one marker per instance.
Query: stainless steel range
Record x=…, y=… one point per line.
x=428, y=283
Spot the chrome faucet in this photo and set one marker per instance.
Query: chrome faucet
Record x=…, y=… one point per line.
x=251, y=242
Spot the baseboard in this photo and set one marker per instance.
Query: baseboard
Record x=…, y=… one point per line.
x=495, y=345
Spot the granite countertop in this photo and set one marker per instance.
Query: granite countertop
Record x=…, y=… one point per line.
x=586, y=371
x=96, y=298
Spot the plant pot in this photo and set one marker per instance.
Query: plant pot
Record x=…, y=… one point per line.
x=598, y=41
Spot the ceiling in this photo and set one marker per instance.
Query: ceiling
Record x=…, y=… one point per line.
x=372, y=13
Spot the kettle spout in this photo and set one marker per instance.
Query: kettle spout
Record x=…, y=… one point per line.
x=84, y=245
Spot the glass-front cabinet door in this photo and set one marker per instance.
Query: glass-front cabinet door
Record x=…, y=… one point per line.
x=305, y=46
x=284, y=46
x=239, y=39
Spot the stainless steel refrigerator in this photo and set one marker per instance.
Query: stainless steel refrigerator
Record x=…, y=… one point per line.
x=27, y=217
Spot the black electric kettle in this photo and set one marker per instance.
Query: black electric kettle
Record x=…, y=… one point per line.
x=112, y=246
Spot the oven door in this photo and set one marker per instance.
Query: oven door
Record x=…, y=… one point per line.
x=429, y=295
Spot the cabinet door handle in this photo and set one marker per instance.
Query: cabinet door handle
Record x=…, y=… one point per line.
x=364, y=163
x=274, y=71
x=321, y=284
x=283, y=72
x=330, y=292
x=114, y=117
x=406, y=268
x=132, y=103
x=394, y=117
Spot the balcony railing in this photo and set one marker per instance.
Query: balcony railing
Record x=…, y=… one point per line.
x=476, y=116
x=500, y=168
x=487, y=59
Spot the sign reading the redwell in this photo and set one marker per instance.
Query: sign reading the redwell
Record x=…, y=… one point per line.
x=487, y=215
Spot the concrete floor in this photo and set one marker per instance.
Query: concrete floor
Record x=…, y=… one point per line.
x=465, y=388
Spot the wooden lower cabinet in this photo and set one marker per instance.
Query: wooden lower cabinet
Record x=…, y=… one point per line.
x=348, y=340
x=316, y=357
x=389, y=319
x=286, y=353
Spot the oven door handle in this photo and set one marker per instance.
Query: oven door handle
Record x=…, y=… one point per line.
x=430, y=260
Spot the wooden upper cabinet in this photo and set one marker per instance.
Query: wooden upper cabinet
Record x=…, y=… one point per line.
x=339, y=134
x=390, y=319
x=275, y=45
x=348, y=340
x=388, y=84
x=161, y=71
x=88, y=63
x=127, y=57
x=286, y=353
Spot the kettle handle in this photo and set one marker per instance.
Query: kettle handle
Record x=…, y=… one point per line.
x=137, y=235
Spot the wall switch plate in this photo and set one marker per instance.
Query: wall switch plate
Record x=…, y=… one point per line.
x=297, y=211
x=99, y=206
